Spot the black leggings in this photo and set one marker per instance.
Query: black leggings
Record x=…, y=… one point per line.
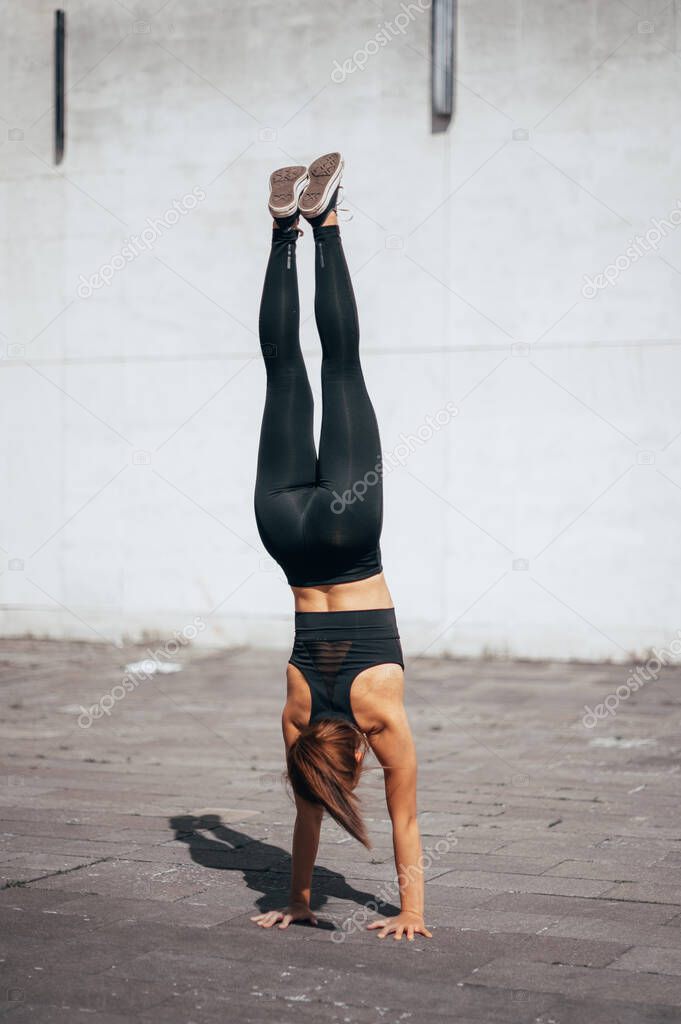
x=319, y=518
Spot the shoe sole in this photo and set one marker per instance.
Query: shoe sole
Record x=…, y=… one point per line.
x=325, y=175
x=287, y=184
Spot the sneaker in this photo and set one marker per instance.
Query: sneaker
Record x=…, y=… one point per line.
x=287, y=184
x=320, y=196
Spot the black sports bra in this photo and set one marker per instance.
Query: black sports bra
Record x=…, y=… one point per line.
x=332, y=648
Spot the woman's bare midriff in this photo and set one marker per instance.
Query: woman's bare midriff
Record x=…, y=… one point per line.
x=344, y=597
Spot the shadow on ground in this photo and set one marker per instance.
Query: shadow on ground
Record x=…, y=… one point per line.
x=264, y=867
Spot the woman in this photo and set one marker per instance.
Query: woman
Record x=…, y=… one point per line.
x=320, y=518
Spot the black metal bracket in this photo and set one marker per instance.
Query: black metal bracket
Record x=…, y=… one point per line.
x=443, y=56
x=59, y=90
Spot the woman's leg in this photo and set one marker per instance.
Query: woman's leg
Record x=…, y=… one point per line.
x=287, y=460
x=350, y=446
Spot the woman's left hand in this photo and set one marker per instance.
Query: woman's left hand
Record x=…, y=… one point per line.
x=406, y=922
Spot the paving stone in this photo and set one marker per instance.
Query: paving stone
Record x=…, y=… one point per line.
x=646, y=892
x=501, y=920
x=673, y=857
x=523, y=883
x=26, y=898
x=89, y=950
x=620, y=986
x=83, y=850
x=43, y=1014
x=636, y=851
x=386, y=988
x=97, y=994
x=563, y=906
x=543, y=947
x=547, y=844
x=565, y=1010
x=617, y=931
x=52, y=832
x=499, y=863
x=473, y=1006
x=216, y=1009
x=129, y=878
x=254, y=857
x=615, y=871
x=40, y=925
x=650, y=959
x=100, y=910
x=38, y=864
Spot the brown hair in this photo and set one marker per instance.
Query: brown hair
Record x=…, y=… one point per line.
x=323, y=768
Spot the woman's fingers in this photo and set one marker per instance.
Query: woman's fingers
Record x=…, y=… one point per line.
x=386, y=928
x=272, y=917
x=400, y=928
x=268, y=919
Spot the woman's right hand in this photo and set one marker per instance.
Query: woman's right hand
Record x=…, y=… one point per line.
x=295, y=912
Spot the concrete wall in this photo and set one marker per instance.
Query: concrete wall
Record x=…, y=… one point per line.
x=543, y=520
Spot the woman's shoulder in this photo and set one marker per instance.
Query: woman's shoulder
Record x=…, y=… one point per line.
x=298, y=704
x=377, y=696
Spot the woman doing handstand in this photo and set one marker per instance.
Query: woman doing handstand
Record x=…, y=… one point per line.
x=320, y=517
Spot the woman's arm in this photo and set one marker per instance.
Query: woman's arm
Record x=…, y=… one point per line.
x=394, y=748
x=303, y=854
x=304, y=851
x=305, y=832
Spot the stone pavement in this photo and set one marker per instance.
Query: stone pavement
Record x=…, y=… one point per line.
x=136, y=845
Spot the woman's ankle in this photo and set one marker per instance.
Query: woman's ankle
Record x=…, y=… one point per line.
x=286, y=223
x=326, y=231
x=289, y=234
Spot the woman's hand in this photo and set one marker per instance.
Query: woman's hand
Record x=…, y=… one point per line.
x=295, y=912
x=407, y=921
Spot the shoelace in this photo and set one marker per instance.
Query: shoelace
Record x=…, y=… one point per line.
x=343, y=209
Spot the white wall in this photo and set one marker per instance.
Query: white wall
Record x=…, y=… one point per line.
x=465, y=248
